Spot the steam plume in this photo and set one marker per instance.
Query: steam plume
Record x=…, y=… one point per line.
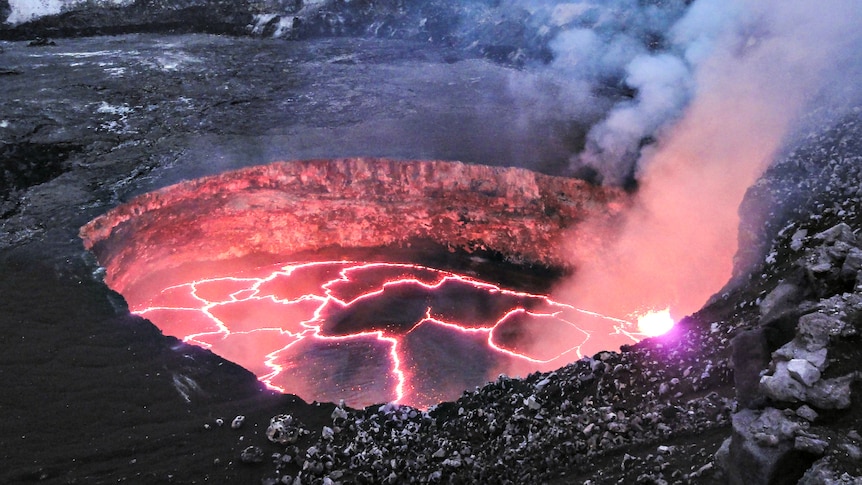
x=754, y=65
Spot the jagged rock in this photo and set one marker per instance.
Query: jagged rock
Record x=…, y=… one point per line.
x=761, y=449
x=805, y=412
x=781, y=386
x=780, y=301
x=252, y=454
x=803, y=371
x=797, y=239
x=793, y=350
x=284, y=429
x=811, y=445
x=815, y=330
x=779, y=314
x=839, y=233
x=822, y=472
x=750, y=355
x=835, y=262
x=831, y=393
x=852, y=264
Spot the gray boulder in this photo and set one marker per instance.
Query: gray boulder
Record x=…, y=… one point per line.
x=762, y=449
x=780, y=301
x=803, y=371
x=838, y=233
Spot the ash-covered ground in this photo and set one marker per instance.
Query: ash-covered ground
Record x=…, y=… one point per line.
x=761, y=386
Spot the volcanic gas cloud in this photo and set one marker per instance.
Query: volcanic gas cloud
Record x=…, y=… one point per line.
x=716, y=107
x=367, y=280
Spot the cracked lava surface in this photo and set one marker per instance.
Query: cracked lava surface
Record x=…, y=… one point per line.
x=376, y=332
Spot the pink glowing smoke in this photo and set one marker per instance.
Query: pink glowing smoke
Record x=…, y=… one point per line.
x=753, y=73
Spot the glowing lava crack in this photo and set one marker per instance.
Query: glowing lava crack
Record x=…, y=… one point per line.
x=204, y=261
x=402, y=332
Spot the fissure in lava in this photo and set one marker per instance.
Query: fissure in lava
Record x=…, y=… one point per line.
x=375, y=332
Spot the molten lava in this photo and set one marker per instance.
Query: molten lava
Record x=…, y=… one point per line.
x=373, y=306
x=375, y=332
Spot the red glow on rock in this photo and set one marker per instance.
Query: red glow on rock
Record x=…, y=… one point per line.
x=377, y=332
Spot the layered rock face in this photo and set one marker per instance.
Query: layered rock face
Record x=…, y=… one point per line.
x=290, y=208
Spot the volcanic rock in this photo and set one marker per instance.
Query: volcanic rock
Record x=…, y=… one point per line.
x=284, y=429
x=252, y=454
x=762, y=451
x=750, y=355
x=291, y=208
x=72, y=354
x=803, y=371
x=779, y=303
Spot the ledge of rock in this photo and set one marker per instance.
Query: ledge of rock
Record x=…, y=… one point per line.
x=289, y=208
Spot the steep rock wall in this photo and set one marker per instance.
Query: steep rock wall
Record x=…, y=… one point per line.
x=287, y=208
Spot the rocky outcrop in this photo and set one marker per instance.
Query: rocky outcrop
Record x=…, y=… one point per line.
x=289, y=208
x=763, y=449
x=797, y=367
x=796, y=357
x=778, y=434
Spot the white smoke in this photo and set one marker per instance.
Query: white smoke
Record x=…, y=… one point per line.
x=26, y=10
x=754, y=67
x=616, y=73
x=663, y=83
x=627, y=69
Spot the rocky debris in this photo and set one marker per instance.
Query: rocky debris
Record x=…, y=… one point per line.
x=761, y=449
x=802, y=308
x=797, y=367
x=823, y=473
x=237, y=422
x=534, y=428
x=306, y=206
x=769, y=445
x=252, y=454
x=284, y=429
x=825, y=264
